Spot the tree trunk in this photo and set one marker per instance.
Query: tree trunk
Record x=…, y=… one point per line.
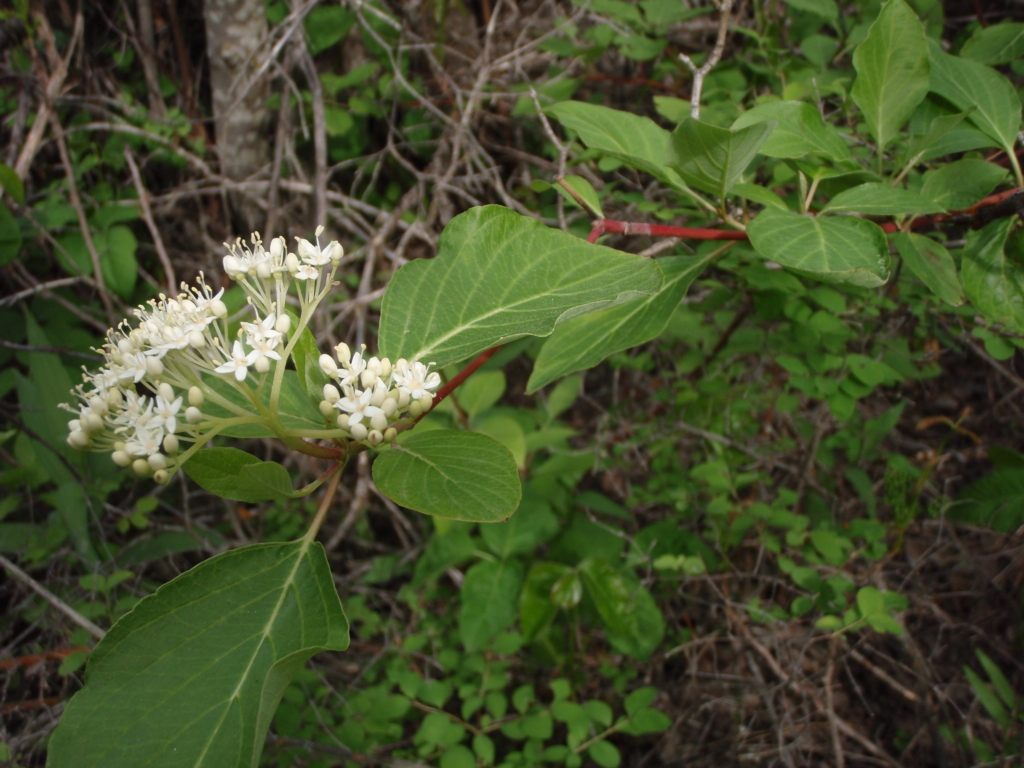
x=235, y=31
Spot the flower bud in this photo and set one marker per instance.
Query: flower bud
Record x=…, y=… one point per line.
x=375, y=437
x=283, y=324
x=157, y=461
x=291, y=263
x=326, y=409
x=426, y=402
x=319, y=230
x=368, y=378
x=415, y=409
x=232, y=266
x=74, y=425
x=78, y=439
x=263, y=271
x=187, y=304
x=125, y=347
x=277, y=250
x=219, y=308
x=403, y=400
x=171, y=444
x=154, y=367
x=379, y=422
x=195, y=396
x=115, y=397
x=380, y=394
x=390, y=406
x=196, y=340
x=98, y=405
x=344, y=353
x=328, y=366
x=121, y=458
x=373, y=364
x=359, y=431
x=92, y=423
x=162, y=476
x=141, y=467
x=385, y=368
x=193, y=415
x=262, y=364
x=165, y=391
x=331, y=394
x=390, y=434
x=343, y=420
x=336, y=251
x=119, y=445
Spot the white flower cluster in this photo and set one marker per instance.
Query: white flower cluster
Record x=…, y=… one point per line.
x=374, y=393
x=132, y=405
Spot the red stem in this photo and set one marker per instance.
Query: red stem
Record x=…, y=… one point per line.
x=28, y=661
x=458, y=378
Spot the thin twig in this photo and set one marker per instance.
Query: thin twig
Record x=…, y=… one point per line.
x=725, y=6
x=52, y=599
x=147, y=216
x=40, y=288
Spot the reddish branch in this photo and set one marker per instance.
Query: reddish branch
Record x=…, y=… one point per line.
x=460, y=377
x=28, y=661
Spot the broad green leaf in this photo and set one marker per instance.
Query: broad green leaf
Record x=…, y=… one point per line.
x=567, y=592
x=295, y=408
x=586, y=192
x=826, y=9
x=967, y=84
x=881, y=200
x=892, y=71
x=535, y=607
x=940, y=127
x=10, y=235
x=713, y=159
x=870, y=601
x=635, y=140
x=959, y=185
x=533, y=524
x=480, y=391
x=451, y=473
x=838, y=249
x=992, y=271
x=192, y=676
x=995, y=45
x=988, y=699
x=326, y=26
x=237, y=475
x=12, y=184
x=605, y=754
x=499, y=276
x=507, y=431
x=116, y=249
x=758, y=194
x=561, y=397
x=932, y=264
x=307, y=364
x=488, y=600
x=995, y=501
x=799, y=130
x=632, y=619
x=585, y=341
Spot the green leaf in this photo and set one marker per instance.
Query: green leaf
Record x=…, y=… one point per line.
x=192, y=676
x=988, y=699
x=633, y=622
x=635, y=140
x=585, y=341
x=937, y=130
x=237, y=475
x=870, y=601
x=12, y=184
x=993, y=273
x=567, y=592
x=826, y=9
x=307, y=364
x=586, y=192
x=533, y=524
x=116, y=249
x=480, y=391
x=968, y=84
x=839, y=249
x=799, y=130
x=892, y=71
x=996, y=500
x=999, y=681
x=758, y=194
x=295, y=408
x=995, y=45
x=648, y=721
x=451, y=473
x=640, y=699
x=959, y=185
x=502, y=276
x=562, y=396
x=507, y=431
x=10, y=236
x=932, y=264
x=536, y=610
x=327, y=25
x=488, y=599
x=713, y=159
x=881, y=200
x=605, y=754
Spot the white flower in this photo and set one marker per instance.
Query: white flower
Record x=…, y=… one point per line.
x=263, y=330
x=133, y=367
x=262, y=347
x=357, y=405
x=238, y=364
x=353, y=369
x=145, y=442
x=416, y=380
x=306, y=272
x=166, y=412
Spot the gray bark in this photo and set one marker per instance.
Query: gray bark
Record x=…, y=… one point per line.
x=235, y=31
